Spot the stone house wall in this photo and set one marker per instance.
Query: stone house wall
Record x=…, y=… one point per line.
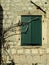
x=12, y=11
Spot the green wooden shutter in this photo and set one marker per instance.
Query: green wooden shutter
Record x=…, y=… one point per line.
x=34, y=34
x=36, y=31
x=26, y=38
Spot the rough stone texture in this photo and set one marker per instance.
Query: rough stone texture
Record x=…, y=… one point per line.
x=12, y=11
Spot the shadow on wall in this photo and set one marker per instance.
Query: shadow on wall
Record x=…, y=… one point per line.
x=1, y=31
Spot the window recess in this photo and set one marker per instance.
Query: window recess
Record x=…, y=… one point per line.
x=33, y=34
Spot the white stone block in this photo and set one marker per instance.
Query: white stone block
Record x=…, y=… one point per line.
x=41, y=51
x=20, y=51
x=47, y=50
x=34, y=51
x=27, y=51
x=13, y=51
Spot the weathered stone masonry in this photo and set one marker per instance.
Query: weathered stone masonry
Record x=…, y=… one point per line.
x=13, y=9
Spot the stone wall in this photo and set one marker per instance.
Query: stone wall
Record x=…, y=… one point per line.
x=12, y=11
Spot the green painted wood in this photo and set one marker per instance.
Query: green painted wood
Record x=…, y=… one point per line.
x=34, y=34
x=26, y=38
x=36, y=31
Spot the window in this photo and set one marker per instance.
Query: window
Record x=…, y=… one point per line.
x=33, y=35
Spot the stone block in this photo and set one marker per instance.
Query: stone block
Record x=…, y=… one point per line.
x=47, y=50
x=27, y=51
x=13, y=51
x=34, y=51
x=20, y=51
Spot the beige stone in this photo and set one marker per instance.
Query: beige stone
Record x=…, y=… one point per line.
x=12, y=11
x=34, y=51
x=27, y=51
x=47, y=50
x=41, y=51
x=20, y=51
x=19, y=59
x=13, y=51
